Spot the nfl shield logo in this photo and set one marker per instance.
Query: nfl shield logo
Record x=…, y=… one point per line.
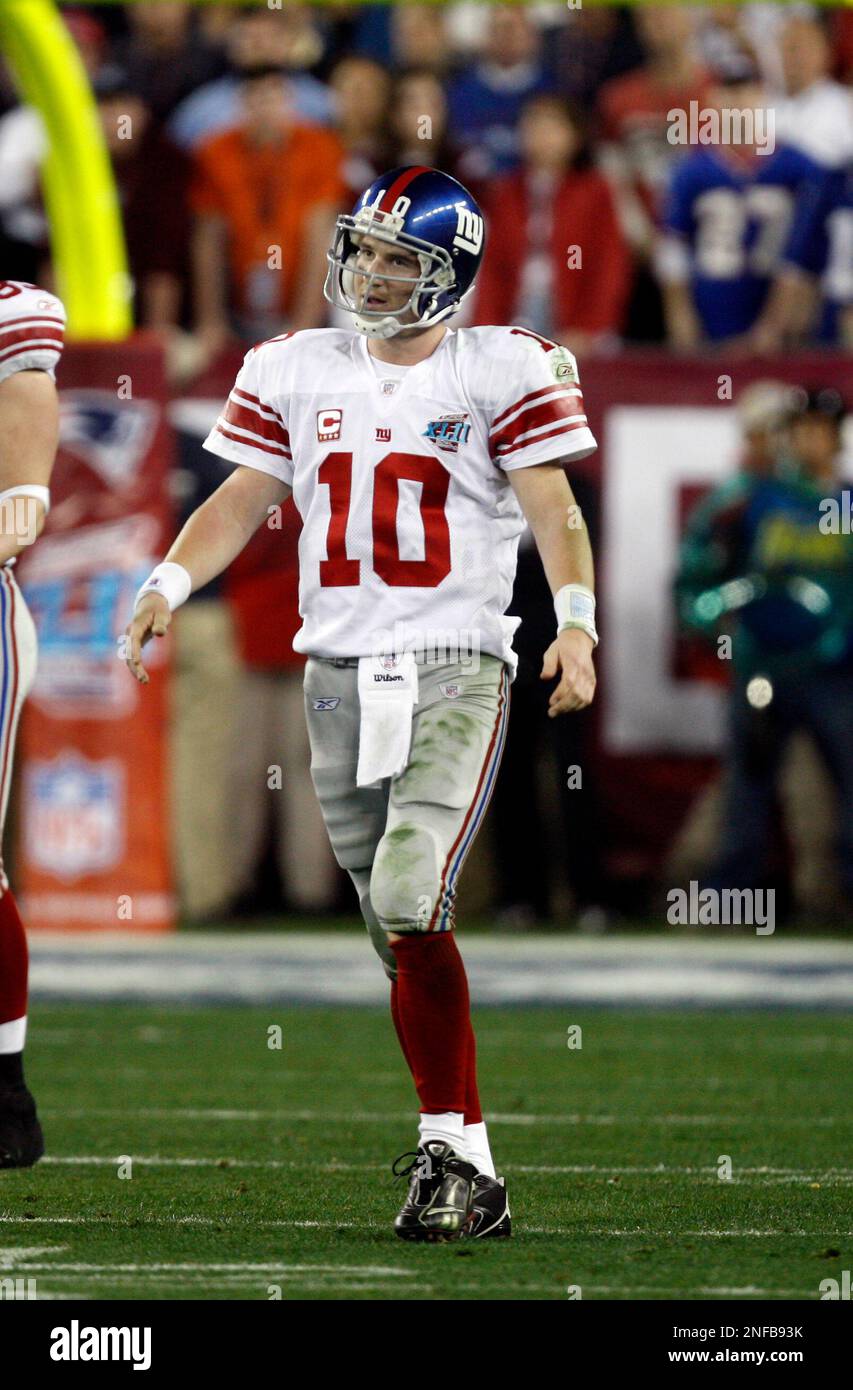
x=451, y=690
x=388, y=662
x=74, y=815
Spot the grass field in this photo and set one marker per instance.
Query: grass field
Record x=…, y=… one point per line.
x=255, y=1168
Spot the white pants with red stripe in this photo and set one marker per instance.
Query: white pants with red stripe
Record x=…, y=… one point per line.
x=18, y=658
x=404, y=843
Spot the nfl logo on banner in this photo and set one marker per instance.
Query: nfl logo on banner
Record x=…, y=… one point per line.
x=74, y=814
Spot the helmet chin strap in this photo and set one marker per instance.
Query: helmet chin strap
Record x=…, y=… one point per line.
x=390, y=326
x=387, y=327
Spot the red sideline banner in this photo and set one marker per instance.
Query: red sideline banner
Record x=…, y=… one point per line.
x=93, y=827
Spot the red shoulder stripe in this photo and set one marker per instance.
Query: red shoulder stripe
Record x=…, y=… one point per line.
x=247, y=417
x=251, y=443
x=531, y=396
x=544, y=412
x=567, y=427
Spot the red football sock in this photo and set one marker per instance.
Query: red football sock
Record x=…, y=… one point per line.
x=432, y=1013
x=473, y=1113
x=13, y=960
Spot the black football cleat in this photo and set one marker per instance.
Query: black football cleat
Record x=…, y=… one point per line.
x=441, y=1191
x=21, y=1139
x=490, y=1218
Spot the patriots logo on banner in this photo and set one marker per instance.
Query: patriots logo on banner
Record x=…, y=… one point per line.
x=449, y=432
x=331, y=702
x=112, y=436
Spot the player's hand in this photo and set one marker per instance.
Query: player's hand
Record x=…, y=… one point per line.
x=571, y=655
x=151, y=619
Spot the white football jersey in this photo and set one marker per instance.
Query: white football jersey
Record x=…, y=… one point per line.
x=410, y=526
x=32, y=328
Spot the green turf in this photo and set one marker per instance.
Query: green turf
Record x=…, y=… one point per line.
x=665, y=1091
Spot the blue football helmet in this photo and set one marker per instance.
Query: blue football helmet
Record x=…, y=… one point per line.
x=426, y=212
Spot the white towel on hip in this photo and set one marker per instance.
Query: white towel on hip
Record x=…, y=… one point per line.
x=388, y=693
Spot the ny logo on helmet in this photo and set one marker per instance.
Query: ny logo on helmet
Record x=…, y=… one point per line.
x=469, y=230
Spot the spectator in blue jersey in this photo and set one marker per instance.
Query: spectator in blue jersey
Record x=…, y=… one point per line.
x=728, y=220
x=813, y=297
x=485, y=99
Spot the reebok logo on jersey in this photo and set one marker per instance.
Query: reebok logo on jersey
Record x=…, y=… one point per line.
x=330, y=702
x=562, y=365
x=329, y=424
x=448, y=432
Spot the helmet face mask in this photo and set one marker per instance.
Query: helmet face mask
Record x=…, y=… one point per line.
x=438, y=289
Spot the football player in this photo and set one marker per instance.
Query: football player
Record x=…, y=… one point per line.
x=32, y=324
x=413, y=452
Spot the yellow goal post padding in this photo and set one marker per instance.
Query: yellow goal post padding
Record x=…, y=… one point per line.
x=86, y=232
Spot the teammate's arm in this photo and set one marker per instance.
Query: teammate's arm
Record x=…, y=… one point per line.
x=29, y=435
x=213, y=536
x=562, y=540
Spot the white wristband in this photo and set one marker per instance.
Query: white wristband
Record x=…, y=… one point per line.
x=170, y=580
x=42, y=494
x=574, y=606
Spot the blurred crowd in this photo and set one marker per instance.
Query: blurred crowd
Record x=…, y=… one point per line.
x=237, y=134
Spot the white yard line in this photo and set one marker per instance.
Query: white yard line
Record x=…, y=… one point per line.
x=229, y=1267
x=230, y=1223
x=338, y=968
x=11, y=1255
x=823, y=1175
x=491, y=1117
